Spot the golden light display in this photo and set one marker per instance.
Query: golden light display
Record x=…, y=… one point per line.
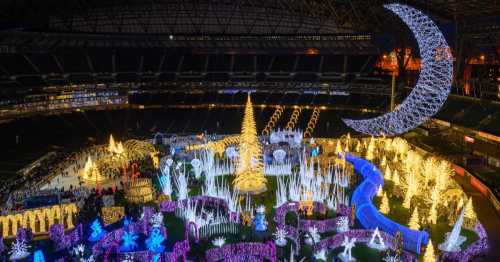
x=218, y=147
x=249, y=172
x=311, y=125
x=39, y=220
x=140, y=191
x=370, y=151
x=155, y=157
x=470, y=217
x=112, y=214
x=422, y=182
x=307, y=205
x=102, y=169
x=293, y=119
x=272, y=121
x=414, y=222
x=384, y=206
x=115, y=148
x=429, y=255
x=90, y=173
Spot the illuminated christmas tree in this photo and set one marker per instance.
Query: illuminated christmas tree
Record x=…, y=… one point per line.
x=429, y=255
x=370, y=150
x=338, y=148
x=358, y=147
x=387, y=173
x=380, y=191
x=249, y=173
x=414, y=220
x=112, y=144
x=384, y=206
x=395, y=178
x=469, y=210
x=432, y=214
x=470, y=218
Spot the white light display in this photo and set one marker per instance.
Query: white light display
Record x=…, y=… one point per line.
x=433, y=85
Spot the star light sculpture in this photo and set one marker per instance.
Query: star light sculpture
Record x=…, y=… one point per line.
x=129, y=241
x=433, y=85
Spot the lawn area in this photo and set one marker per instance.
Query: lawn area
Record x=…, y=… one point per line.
x=360, y=252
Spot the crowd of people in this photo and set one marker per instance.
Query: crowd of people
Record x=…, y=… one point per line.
x=48, y=171
x=27, y=180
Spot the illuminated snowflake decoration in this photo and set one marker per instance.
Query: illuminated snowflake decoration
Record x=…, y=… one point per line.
x=129, y=242
x=433, y=85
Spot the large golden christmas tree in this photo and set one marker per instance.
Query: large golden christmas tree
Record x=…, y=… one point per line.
x=249, y=172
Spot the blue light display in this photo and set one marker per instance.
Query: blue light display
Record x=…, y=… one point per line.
x=369, y=216
x=129, y=243
x=155, y=240
x=38, y=256
x=260, y=222
x=97, y=231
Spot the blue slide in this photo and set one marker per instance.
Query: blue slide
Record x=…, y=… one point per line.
x=369, y=216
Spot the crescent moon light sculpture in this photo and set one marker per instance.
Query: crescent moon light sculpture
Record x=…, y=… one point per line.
x=433, y=85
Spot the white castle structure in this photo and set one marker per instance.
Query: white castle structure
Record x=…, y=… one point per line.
x=292, y=137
